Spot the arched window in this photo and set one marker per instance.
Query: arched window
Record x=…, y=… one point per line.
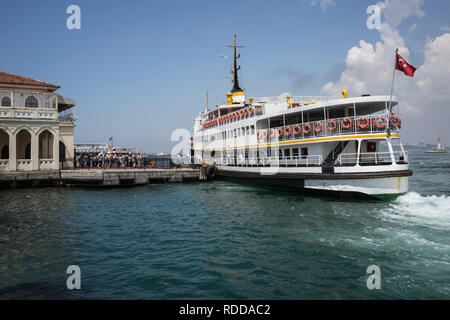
x=5, y=152
x=31, y=102
x=6, y=102
x=28, y=151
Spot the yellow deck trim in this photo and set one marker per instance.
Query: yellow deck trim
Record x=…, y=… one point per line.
x=355, y=137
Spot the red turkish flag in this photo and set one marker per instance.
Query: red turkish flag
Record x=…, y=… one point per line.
x=404, y=66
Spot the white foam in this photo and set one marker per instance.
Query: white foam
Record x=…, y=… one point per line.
x=428, y=210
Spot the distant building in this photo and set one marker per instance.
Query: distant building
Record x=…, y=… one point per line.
x=36, y=125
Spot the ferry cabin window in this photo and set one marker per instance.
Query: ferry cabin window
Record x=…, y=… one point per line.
x=304, y=153
x=371, y=146
x=280, y=154
x=287, y=153
x=295, y=153
x=252, y=129
x=6, y=102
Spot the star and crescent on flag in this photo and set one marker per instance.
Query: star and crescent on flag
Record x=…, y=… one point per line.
x=404, y=66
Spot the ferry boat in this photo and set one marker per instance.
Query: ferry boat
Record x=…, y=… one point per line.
x=439, y=149
x=344, y=146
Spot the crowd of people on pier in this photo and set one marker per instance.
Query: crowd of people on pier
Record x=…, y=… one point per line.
x=92, y=160
x=87, y=161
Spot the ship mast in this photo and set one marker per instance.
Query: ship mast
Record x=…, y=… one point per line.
x=236, y=95
x=236, y=87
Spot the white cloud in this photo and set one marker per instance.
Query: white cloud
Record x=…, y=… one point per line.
x=433, y=77
x=445, y=29
x=368, y=67
x=425, y=99
x=324, y=4
x=395, y=11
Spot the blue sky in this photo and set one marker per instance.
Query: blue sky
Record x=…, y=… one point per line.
x=138, y=69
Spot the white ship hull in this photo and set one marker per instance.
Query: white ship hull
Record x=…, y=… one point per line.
x=381, y=185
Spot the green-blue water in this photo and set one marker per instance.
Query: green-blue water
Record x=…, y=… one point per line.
x=224, y=240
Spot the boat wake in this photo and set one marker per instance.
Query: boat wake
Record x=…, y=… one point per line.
x=425, y=210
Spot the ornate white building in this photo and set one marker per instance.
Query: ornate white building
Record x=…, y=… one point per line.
x=36, y=125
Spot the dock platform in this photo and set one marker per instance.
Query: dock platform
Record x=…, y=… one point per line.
x=99, y=177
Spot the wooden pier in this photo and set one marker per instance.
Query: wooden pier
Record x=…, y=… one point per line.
x=100, y=177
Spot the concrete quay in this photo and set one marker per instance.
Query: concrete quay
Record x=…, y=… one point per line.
x=99, y=177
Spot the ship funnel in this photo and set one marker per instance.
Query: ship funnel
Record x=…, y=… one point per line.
x=344, y=93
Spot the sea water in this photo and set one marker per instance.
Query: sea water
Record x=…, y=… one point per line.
x=227, y=240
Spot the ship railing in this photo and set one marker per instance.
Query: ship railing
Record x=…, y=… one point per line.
x=330, y=127
x=372, y=158
x=303, y=100
x=301, y=161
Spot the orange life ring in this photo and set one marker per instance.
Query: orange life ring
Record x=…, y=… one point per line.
x=331, y=129
x=382, y=124
x=280, y=132
x=264, y=134
x=366, y=120
x=272, y=133
x=233, y=116
x=251, y=110
x=287, y=131
x=238, y=115
x=259, y=135
x=349, y=121
x=241, y=113
x=297, y=130
x=397, y=123
x=245, y=112
x=318, y=130
x=307, y=128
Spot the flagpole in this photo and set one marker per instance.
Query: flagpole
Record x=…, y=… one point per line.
x=392, y=89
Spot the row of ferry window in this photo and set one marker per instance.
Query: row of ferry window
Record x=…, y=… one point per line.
x=229, y=134
x=30, y=102
x=283, y=154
